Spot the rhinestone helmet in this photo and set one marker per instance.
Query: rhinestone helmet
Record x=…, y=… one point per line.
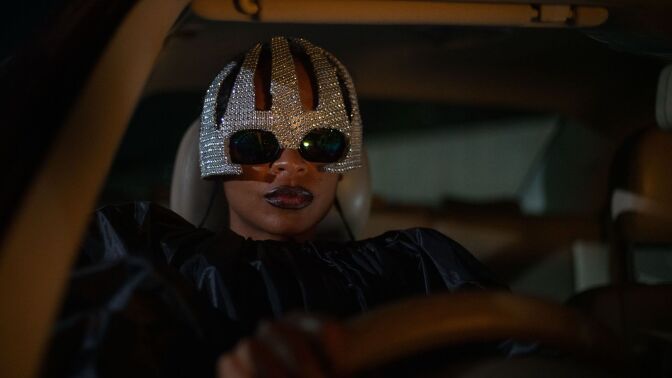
x=337, y=106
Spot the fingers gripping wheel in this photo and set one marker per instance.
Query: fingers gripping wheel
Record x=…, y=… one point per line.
x=403, y=329
x=303, y=345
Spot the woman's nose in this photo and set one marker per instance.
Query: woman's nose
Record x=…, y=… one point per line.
x=289, y=162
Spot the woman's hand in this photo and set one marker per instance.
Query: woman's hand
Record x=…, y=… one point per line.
x=295, y=346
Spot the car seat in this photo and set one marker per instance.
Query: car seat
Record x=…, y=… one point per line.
x=636, y=305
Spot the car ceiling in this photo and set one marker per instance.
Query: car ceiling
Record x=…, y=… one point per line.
x=555, y=70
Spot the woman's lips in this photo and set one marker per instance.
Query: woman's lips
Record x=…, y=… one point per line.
x=289, y=197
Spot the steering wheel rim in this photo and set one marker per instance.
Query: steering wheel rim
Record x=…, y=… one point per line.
x=383, y=335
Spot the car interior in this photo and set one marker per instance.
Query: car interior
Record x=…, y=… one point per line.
x=536, y=134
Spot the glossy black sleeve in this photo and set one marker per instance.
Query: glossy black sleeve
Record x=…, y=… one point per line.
x=126, y=311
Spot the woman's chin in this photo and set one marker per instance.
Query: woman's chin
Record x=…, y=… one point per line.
x=276, y=229
x=292, y=232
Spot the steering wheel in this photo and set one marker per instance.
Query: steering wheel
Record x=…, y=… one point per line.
x=403, y=329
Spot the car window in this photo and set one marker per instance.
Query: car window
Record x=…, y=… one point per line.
x=468, y=161
x=652, y=264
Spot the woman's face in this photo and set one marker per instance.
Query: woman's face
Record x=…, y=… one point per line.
x=285, y=199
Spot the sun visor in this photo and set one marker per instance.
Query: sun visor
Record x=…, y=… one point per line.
x=404, y=12
x=664, y=99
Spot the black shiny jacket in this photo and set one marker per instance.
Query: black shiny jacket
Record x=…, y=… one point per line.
x=153, y=295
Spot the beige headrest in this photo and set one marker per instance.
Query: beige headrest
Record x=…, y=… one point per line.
x=664, y=99
x=202, y=202
x=648, y=165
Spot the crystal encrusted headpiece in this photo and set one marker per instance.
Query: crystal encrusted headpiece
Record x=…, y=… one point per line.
x=286, y=118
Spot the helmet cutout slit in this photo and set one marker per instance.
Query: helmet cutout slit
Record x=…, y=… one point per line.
x=301, y=58
x=225, y=90
x=262, y=80
x=345, y=93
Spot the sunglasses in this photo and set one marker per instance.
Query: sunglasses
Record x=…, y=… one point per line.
x=260, y=146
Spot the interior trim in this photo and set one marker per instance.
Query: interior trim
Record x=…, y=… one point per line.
x=45, y=233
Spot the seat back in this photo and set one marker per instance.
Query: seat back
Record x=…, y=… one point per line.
x=641, y=202
x=638, y=303
x=202, y=202
x=636, y=306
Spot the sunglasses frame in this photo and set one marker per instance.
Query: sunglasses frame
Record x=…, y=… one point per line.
x=278, y=150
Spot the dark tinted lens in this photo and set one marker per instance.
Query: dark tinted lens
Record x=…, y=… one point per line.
x=323, y=146
x=253, y=147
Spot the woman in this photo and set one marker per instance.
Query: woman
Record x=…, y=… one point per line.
x=280, y=125
x=278, y=128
